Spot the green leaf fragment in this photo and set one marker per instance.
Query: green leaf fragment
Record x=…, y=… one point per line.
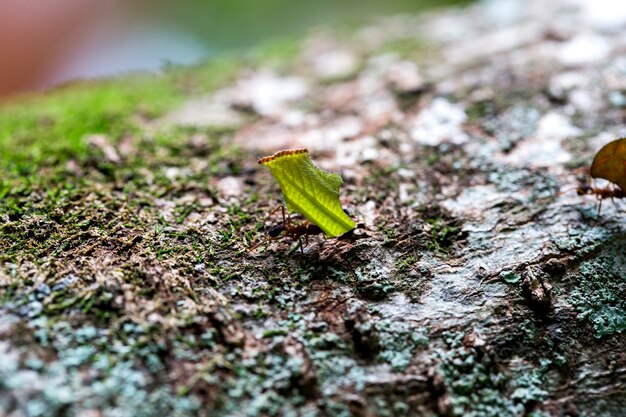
x=309, y=190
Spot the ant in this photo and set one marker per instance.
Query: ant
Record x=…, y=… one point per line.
x=296, y=231
x=601, y=193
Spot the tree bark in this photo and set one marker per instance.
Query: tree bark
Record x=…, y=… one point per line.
x=477, y=282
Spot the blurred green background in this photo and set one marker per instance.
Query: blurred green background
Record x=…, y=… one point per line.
x=63, y=40
x=227, y=24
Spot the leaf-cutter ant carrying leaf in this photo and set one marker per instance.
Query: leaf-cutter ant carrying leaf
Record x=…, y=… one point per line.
x=288, y=229
x=310, y=191
x=609, y=164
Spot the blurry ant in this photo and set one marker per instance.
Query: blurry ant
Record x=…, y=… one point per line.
x=297, y=231
x=601, y=193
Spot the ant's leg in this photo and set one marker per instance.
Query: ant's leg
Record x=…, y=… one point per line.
x=301, y=246
x=599, y=207
x=263, y=242
x=272, y=213
x=286, y=220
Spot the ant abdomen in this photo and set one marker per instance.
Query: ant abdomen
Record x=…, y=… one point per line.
x=275, y=230
x=313, y=229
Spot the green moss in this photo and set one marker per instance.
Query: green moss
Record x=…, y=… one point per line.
x=51, y=129
x=279, y=51
x=443, y=230
x=510, y=277
x=408, y=48
x=274, y=332
x=405, y=262
x=480, y=109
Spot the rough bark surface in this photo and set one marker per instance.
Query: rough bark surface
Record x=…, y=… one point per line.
x=478, y=283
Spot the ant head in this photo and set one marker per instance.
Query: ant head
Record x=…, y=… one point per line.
x=275, y=231
x=583, y=189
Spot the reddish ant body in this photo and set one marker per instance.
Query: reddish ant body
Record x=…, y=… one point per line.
x=601, y=193
x=295, y=231
x=609, y=164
